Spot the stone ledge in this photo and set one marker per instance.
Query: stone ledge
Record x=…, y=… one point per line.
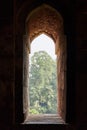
x=44, y=119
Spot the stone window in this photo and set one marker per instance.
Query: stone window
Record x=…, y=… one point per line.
x=47, y=20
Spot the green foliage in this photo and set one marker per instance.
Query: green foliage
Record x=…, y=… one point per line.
x=42, y=85
x=34, y=111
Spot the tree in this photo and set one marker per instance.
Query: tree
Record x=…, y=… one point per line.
x=42, y=86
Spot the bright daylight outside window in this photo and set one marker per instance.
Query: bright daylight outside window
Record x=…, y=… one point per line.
x=43, y=77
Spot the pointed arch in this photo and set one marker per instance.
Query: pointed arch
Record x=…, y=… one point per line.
x=43, y=42
x=47, y=20
x=44, y=19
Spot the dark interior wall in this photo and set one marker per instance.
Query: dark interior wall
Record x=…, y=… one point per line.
x=75, y=27
x=6, y=62
x=81, y=63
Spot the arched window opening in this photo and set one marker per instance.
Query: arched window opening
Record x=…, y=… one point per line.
x=43, y=43
x=44, y=20
x=43, y=77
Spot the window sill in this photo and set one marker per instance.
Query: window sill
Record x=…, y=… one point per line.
x=44, y=119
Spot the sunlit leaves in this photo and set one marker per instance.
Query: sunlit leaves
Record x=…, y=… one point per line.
x=42, y=85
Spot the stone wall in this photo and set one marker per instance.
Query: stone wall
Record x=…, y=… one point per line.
x=7, y=78
x=8, y=64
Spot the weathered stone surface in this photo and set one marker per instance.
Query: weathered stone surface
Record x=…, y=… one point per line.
x=44, y=20
x=75, y=23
